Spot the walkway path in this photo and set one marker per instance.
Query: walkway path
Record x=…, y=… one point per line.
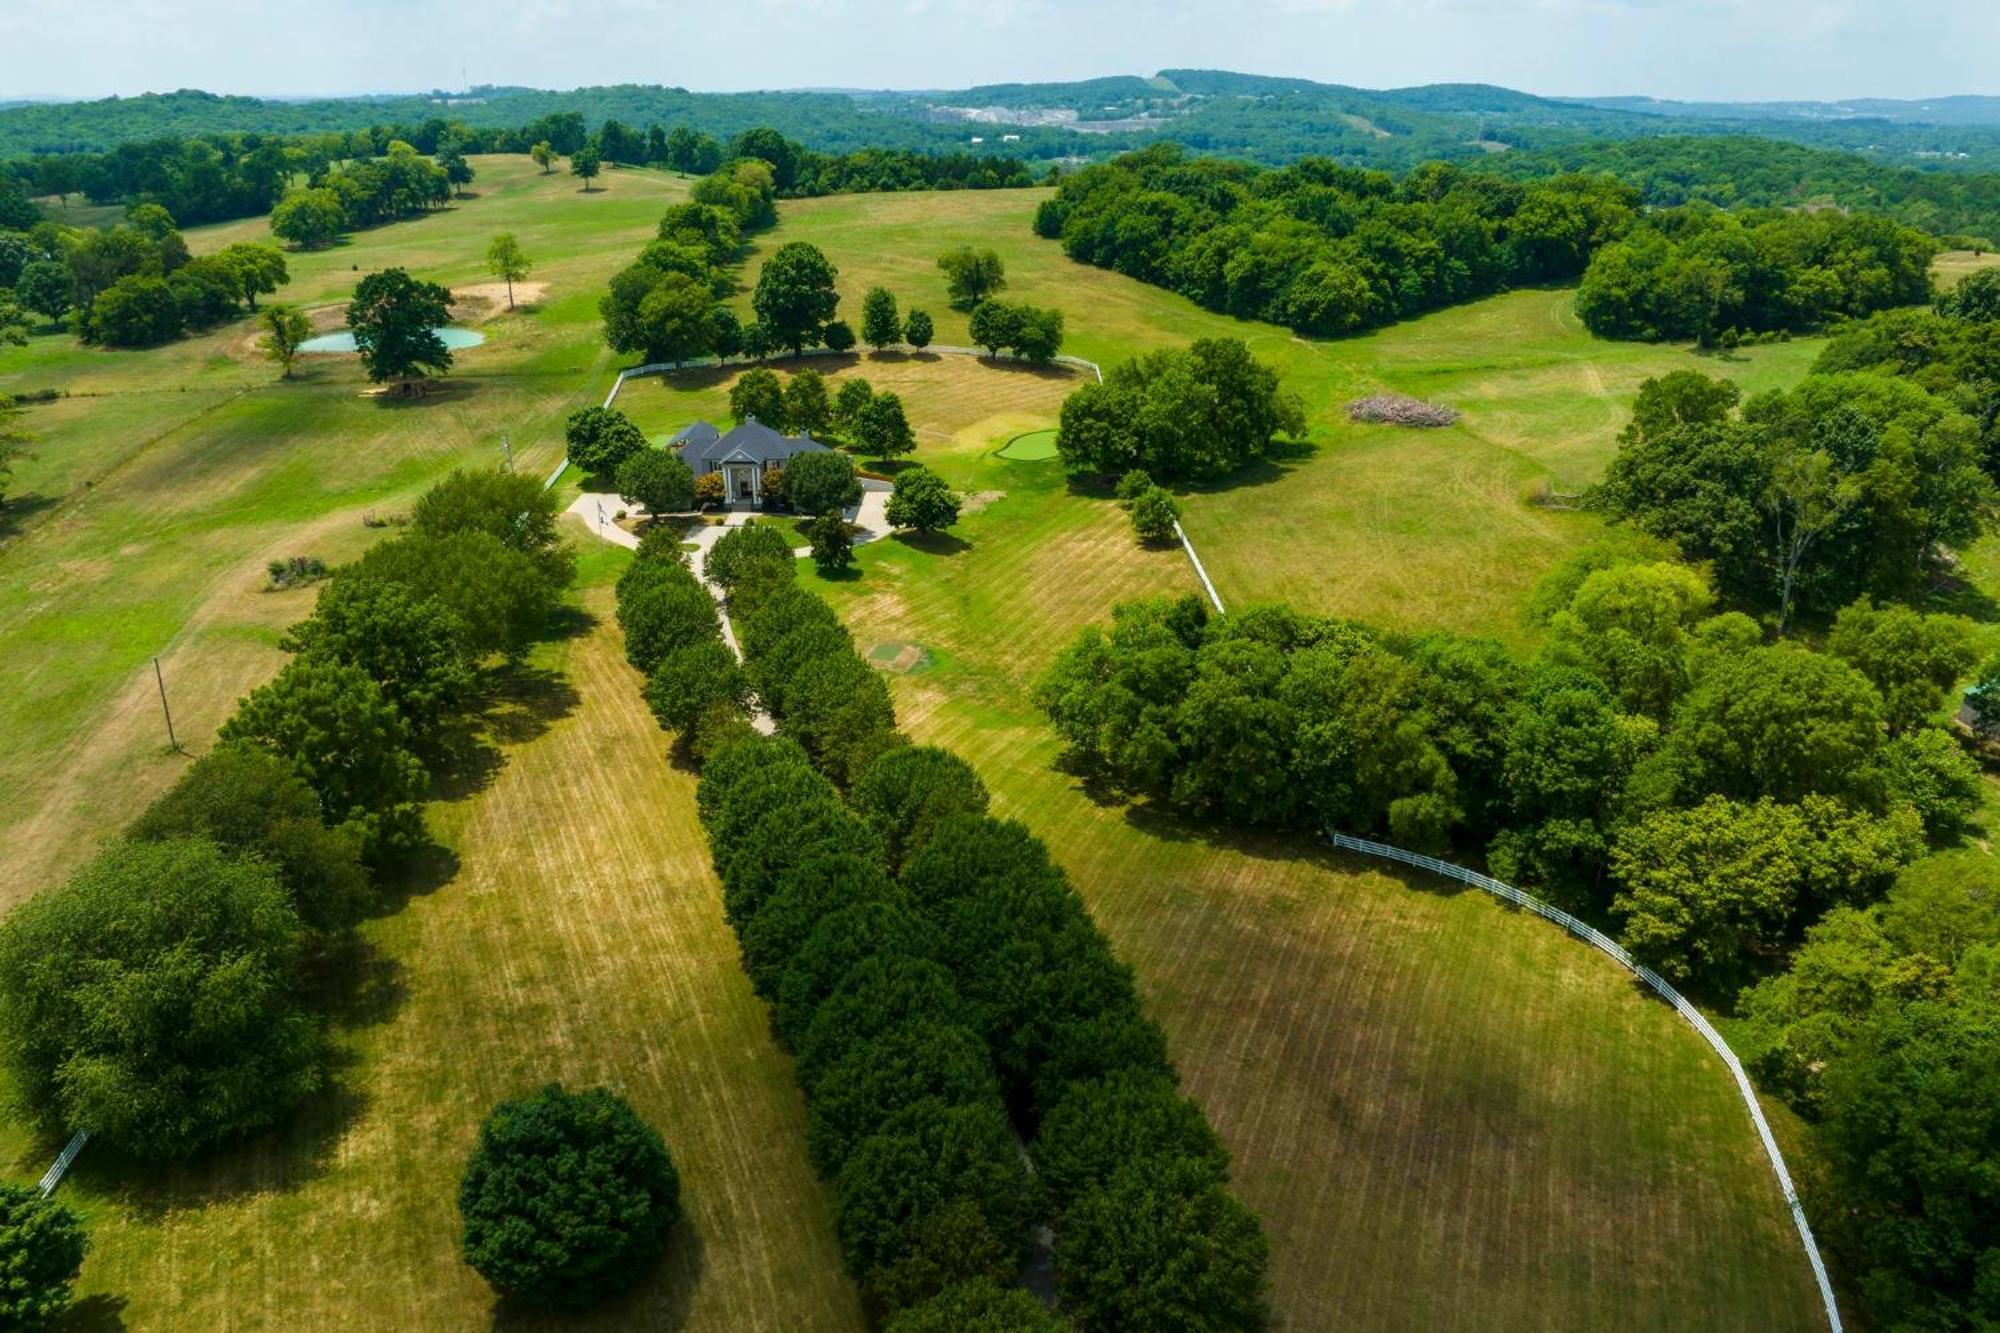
x=594, y=509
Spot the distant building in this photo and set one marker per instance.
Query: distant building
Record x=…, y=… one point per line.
x=978, y=138
x=1010, y=138
x=742, y=456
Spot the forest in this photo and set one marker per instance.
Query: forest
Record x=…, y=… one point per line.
x=1269, y=120
x=1739, y=170
x=217, y=177
x=1326, y=249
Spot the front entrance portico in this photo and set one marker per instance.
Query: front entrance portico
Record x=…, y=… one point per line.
x=743, y=482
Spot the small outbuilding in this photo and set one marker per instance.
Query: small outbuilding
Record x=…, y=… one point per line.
x=742, y=455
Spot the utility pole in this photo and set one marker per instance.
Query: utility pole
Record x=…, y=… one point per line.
x=507, y=445
x=161, y=680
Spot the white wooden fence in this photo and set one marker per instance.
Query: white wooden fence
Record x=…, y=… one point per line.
x=1597, y=939
x=1199, y=572
x=53, y=1176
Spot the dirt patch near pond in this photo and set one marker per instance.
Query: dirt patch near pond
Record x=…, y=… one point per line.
x=482, y=301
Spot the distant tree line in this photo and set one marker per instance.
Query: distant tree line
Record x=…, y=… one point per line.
x=169, y=996
x=1657, y=764
x=1744, y=170
x=1269, y=120
x=1848, y=484
x=1327, y=249
x=1700, y=273
x=131, y=285
x=943, y=989
x=393, y=171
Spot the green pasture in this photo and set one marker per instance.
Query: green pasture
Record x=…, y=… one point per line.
x=1448, y=1115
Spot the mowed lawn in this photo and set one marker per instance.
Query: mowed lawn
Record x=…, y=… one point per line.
x=172, y=475
x=1448, y=1116
x=1399, y=526
x=581, y=939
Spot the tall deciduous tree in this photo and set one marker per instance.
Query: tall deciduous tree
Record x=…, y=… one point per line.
x=285, y=330
x=254, y=269
x=414, y=648
x=333, y=723
x=855, y=394
x=918, y=331
x=817, y=482
x=656, y=479
x=154, y=998
x=832, y=544
x=758, y=393
x=599, y=439
x=506, y=261
x=250, y=802
x=922, y=500
x=544, y=154
x=795, y=297
x=807, y=411
x=309, y=219
x=46, y=289
x=395, y=320
x=971, y=276
x=881, y=327
x=568, y=1198
x=883, y=429
x=584, y=164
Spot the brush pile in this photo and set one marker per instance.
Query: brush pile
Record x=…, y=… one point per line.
x=1396, y=409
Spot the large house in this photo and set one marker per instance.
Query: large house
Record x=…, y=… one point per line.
x=742, y=456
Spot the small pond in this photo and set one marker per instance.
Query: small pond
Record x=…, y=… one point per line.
x=343, y=341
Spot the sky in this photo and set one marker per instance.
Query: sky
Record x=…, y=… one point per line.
x=1738, y=50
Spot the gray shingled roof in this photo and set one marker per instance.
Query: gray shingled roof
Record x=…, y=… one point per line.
x=705, y=449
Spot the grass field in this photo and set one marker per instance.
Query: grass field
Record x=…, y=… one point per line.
x=1953, y=265
x=1447, y=1115
x=169, y=478
x=1399, y=526
x=575, y=942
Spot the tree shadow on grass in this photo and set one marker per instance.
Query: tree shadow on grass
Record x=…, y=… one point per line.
x=660, y=1299
x=355, y=984
x=420, y=873
x=932, y=543
x=1284, y=459
x=300, y=1148
x=1948, y=594
x=102, y=1313
x=1030, y=370
x=1262, y=843
x=17, y=510
x=514, y=703
x=435, y=392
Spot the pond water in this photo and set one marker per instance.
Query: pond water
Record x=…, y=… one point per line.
x=343, y=341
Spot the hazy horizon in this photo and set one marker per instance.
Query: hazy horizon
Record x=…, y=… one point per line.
x=1700, y=50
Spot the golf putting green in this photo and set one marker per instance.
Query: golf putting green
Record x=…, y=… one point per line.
x=1035, y=446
